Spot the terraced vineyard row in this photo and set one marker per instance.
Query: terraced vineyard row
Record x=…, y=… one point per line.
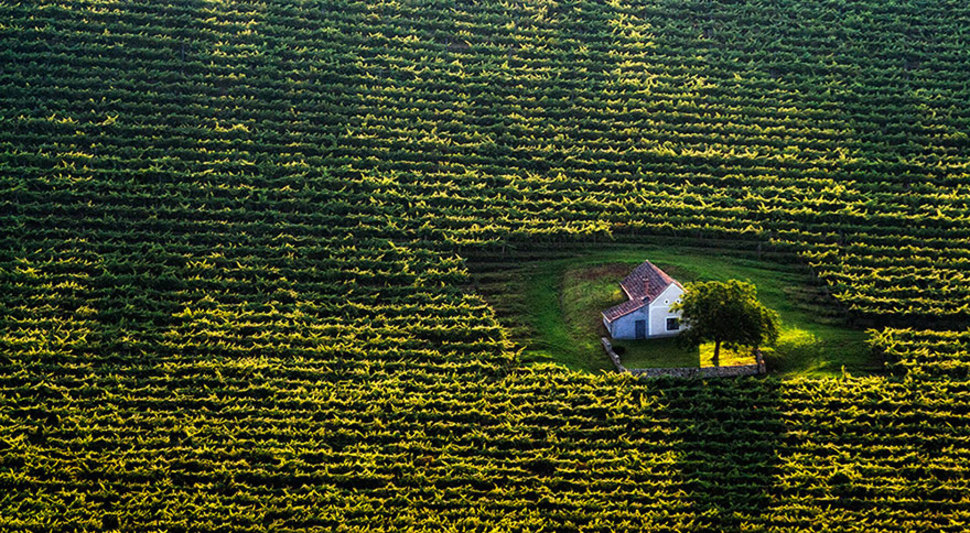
x=354, y=314
x=926, y=354
x=232, y=279
x=494, y=122
x=541, y=447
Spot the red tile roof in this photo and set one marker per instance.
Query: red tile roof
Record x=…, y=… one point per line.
x=624, y=308
x=642, y=286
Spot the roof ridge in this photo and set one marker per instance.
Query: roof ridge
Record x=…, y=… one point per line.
x=642, y=286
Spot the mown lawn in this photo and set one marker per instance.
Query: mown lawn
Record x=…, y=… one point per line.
x=564, y=298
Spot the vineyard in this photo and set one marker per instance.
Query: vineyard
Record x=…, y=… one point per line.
x=238, y=243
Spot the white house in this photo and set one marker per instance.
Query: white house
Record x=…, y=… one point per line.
x=647, y=313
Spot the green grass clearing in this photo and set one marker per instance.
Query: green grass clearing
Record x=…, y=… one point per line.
x=563, y=300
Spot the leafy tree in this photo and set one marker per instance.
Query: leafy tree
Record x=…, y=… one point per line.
x=725, y=313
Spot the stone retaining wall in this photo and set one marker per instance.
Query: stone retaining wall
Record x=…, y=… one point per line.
x=608, y=346
x=689, y=372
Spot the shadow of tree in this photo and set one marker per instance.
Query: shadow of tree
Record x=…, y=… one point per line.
x=726, y=433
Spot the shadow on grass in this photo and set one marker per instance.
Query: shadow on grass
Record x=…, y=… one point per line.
x=725, y=433
x=656, y=353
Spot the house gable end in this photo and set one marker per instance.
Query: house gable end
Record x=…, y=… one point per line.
x=650, y=292
x=671, y=293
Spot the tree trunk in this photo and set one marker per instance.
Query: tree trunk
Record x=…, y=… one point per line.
x=717, y=353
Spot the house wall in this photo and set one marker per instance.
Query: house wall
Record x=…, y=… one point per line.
x=660, y=312
x=625, y=327
x=656, y=315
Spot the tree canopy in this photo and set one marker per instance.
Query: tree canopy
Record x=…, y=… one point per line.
x=727, y=314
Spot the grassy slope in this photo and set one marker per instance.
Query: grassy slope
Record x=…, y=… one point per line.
x=564, y=298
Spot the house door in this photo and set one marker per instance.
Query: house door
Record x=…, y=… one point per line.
x=640, y=329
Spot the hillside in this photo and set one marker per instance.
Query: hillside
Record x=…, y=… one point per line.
x=237, y=240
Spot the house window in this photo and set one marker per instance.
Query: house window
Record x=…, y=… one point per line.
x=673, y=324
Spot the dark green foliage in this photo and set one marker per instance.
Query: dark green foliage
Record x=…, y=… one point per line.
x=922, y=355
x=726, y=313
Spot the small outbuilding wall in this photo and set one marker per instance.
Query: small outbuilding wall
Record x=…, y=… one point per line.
x=625, y=326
